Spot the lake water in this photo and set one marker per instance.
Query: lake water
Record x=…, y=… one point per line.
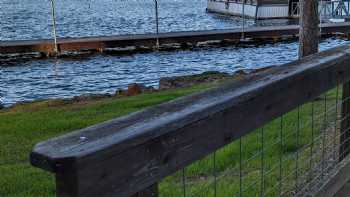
x=31, y=19
x=41, y=79
x=64, y=78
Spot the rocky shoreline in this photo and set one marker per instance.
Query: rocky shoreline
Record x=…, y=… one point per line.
x=166, y=83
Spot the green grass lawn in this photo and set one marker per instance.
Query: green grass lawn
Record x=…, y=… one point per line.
x=25, y=125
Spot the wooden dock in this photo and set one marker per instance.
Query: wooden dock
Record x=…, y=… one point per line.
x=150, y=40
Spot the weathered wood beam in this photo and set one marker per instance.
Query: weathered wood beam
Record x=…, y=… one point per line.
x=148, y=192
x=129, y=154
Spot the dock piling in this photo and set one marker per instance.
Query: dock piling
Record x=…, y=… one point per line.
x=157, y=23
x=53, y=15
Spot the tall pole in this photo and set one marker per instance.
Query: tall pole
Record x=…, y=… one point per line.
x=243, y=14
x=320, y=13
x=309, y=28
x=54, y=25
x=157, y=22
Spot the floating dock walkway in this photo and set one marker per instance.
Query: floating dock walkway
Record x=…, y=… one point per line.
x=152, y=40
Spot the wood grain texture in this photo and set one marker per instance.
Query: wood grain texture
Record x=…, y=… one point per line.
x=149, y=192
x=129, y=154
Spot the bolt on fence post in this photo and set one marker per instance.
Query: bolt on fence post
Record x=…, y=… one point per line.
x=345, y=122
x=54, y=25
x=157, y=23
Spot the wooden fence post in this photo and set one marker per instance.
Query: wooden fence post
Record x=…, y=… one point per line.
x=345, y=123
x=149, y=192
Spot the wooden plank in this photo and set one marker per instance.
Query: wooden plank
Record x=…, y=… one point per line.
x=337, y=179
x=129, y=154
x=149, y=40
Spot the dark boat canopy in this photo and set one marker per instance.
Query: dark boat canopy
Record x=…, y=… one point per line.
x=269, y=2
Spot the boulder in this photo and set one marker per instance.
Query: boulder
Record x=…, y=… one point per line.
x=135, y=89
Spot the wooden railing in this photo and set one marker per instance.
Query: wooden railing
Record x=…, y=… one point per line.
x=128, y=156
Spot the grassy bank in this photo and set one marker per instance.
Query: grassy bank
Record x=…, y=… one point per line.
x=23, y=126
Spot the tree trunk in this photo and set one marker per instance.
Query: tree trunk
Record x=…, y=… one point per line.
x=309, y=29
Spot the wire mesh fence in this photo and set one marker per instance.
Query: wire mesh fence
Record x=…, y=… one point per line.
x=293, y=155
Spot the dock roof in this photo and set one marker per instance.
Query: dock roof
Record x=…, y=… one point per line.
x=269, y=2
